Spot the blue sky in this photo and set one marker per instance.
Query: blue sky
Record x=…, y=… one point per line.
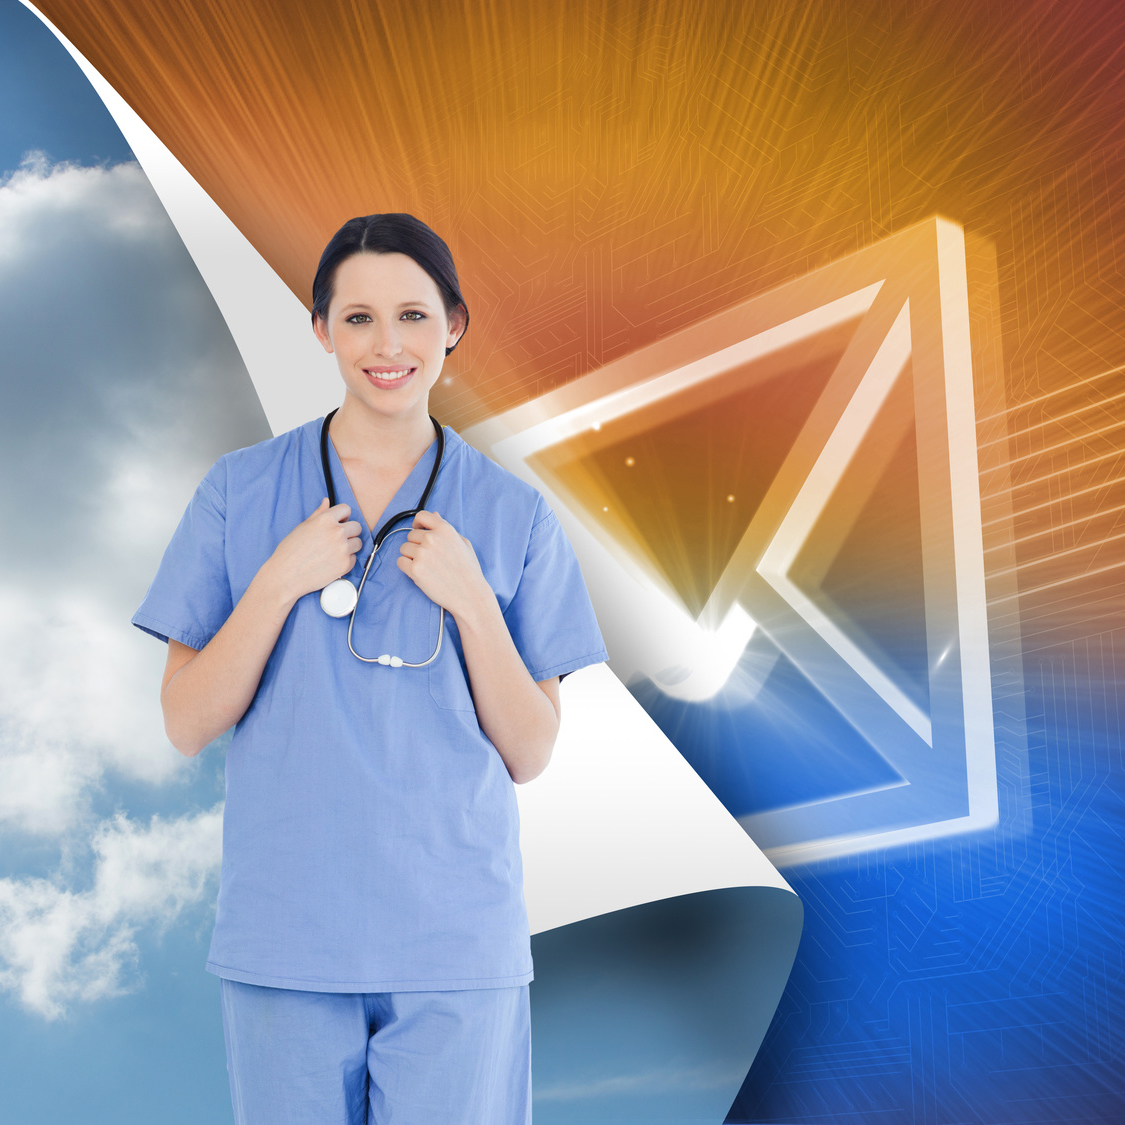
x=120, y=386
x=47, y=102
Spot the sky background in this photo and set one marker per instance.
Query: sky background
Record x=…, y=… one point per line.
x=113, y=364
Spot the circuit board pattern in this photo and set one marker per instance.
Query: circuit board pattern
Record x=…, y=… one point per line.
x=608, y=174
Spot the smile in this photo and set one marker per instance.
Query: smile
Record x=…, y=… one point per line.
x=387, y=375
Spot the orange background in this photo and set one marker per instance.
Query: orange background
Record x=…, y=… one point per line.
x=607, y=173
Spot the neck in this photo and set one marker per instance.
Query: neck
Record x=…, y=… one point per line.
x=380, y=440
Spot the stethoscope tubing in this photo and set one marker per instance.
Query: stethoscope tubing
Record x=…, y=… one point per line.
x=395, y=662
x=386, y=530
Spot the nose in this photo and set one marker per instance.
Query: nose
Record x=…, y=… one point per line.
x=388, y=340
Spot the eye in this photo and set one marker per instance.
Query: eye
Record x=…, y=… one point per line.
x=414, y=314
x=358, y=318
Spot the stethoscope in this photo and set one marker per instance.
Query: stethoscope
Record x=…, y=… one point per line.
x=340, y=598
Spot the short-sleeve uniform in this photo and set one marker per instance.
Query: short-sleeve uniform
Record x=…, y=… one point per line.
x=371, y=834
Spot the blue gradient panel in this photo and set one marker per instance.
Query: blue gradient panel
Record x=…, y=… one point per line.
x=975, y=980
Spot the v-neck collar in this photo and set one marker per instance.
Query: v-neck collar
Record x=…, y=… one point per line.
x=407, y=496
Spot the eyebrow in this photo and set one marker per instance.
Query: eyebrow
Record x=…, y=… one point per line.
x=401, y=305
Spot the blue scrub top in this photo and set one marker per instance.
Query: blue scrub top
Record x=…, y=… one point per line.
x=371, y=834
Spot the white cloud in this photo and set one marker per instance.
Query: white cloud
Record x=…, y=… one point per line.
x=58, y=945
x=40, y=196
x=79, y=694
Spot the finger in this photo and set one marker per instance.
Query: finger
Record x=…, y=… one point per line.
x=409, y=550
x=353, y=528
x=427, y=520
x=321, y=507
x=341, y=512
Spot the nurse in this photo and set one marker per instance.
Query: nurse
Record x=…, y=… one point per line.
x=370, y=933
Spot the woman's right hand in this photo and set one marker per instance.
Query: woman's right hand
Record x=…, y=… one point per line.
x=206, y=691
x=317, y=551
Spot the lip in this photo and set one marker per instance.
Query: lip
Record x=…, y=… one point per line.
x=373, y=376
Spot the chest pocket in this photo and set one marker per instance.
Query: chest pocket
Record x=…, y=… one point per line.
x=449, y=681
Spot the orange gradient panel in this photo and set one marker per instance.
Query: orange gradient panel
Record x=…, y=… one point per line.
x=608, y=174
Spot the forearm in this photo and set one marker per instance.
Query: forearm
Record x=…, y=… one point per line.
x=211, y=691
x=513, y=710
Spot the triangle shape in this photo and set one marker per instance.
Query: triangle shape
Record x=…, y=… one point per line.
x=862, y=562
x=676, y=483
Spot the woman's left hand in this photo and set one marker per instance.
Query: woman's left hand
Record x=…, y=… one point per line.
x=443, y=564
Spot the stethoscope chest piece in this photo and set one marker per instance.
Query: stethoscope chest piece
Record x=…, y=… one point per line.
x=339, y=598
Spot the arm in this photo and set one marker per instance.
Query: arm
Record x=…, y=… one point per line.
x=520, y=717
x=206, y=691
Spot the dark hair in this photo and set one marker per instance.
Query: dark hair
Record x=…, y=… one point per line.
x=394, y=233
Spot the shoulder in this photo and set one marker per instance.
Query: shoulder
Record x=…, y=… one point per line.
x=498, y=512
x=263, y=462
x=486, y=478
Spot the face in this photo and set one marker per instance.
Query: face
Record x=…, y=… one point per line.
x=388, y=330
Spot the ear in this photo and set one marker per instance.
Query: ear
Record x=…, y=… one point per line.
x=458, y=322
x=321, y=330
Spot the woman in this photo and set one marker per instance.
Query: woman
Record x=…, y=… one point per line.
x=370, y=933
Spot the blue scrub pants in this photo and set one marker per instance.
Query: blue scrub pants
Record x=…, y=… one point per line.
x=380, y=1058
